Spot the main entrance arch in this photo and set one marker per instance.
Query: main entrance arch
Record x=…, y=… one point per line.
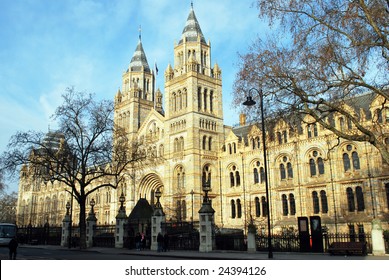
x=149, y=184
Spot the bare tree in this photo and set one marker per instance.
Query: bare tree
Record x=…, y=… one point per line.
x=8, y=206
x=88, y=152
x=320, y=56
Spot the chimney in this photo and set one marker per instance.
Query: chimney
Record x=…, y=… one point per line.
x=242, y=119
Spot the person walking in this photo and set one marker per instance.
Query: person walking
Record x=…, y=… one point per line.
x=166, y=242
x=13, y=245
x=160, y=242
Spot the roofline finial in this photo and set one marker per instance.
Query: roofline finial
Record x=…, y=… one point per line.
x=191, y=4
x=140, y=33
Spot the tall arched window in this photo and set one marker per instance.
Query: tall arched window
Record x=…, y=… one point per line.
x=360, y=199
x=315, y=202
x=312, y=167
x=290, y=170
x=346, y=162
x=282, y=171
x=350, y=199
x=284, y=205
x=239, y=208
x=262, y=173
x=355, y=158
x=350, y=151
x=320, y=165
x=237, y=177
x=233, y=209
x=324, y=203
x=232, y=179
x=256, y=176
x=292, y=204
x=264, y=206
x=257, y=207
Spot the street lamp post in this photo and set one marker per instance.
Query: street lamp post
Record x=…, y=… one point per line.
x=70, y=225
x=251, y=102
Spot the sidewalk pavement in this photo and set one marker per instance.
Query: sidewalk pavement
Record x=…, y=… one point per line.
x=217, y=255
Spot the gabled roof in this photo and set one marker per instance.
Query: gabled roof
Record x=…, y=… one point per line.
x=192, y=29
x=142, y=211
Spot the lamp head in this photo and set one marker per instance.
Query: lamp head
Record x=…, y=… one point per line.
x=249, y=101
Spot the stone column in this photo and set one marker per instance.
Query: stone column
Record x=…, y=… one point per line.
x=157, y=219
x=120, y=222
x=90, y=226
x=251, y=235
x=65, y=230
x=206, y=227
x=377, y=238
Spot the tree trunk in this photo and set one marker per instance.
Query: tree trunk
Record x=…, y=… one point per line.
x=82, y=223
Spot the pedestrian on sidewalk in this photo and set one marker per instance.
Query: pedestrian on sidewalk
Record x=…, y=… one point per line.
x=138, y=239
x=160, y=242
x=13, y=245
x=166, y=242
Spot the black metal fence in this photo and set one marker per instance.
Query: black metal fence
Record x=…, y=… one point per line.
x=182, y=235
x=44, y=235
x=104, y=236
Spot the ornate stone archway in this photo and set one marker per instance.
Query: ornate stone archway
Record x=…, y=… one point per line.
x=148, y=185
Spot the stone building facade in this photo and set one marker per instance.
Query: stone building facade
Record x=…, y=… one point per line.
x=311, y=172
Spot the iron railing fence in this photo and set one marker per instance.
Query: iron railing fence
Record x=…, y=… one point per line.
x=104, y=236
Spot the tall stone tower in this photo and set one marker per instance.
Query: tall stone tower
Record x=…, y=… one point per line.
x=138, y=95
x=194, y=117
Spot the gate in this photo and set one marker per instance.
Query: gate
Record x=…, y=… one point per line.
x=104, y=236
x=182, y=235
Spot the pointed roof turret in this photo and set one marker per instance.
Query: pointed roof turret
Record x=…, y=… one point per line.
x=139, y=60
x=192, y=29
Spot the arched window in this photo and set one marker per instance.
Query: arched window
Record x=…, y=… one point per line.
x=279, y=137
x=312, y=167
x=320, y=165
x=229, y=149
x=204, y=142
x=233, y=210
x=257, y=207
x=292, y=204
x=324, y=203
x=290, y=170
x=256, y=176
x=282, y=171
x=315, y=202
x=210, y=143
x=360, y=199
x=355, y=158
x=239, y=208
x=346, y=162
x=264, y=206
x=237, y=176
x=232, y=179
x=284, y=205
x=262, y=173
x=350, y=151
x=350, y=199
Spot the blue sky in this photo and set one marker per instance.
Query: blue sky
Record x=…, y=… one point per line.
x=47, y=46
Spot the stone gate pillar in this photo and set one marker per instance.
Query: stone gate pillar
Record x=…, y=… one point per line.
x=157, y=219
x=65, y=235
x=206, y=213
x=90, y=225
x=251, y=235
x=120, y=222
x=377, y=238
